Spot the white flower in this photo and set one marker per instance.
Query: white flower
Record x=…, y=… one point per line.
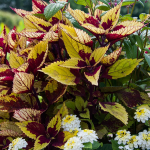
x=122, y=136
x=133, y=142
x=142, y=114
x=87, y=136
x=144, y=143
x=17, y=144
x=73, y=143
x=70, y=122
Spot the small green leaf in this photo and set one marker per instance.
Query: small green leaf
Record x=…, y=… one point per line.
x=86, y=114
x=84, y=3
x=106, y=147
x=70, y=104
x=79, y=102
x=87, y=145
x=53, y=8
x=102, y=7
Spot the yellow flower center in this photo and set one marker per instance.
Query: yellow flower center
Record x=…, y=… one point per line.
x=121, y=134
x=69, y=119
x=14, y=142
x=140, y=112
x=88, y=131
x=132, y=140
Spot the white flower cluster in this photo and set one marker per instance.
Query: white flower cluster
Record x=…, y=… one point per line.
x=17, y=144
x=141, y=141
x=71, y=123
x=142, y=114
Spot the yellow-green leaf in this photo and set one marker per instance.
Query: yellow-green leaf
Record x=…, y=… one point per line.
x=73, y=47
x=98, y=54
x=15, y=61
x=93, y=77
x=123, y=67
x=115, y=109
x=63, y=110
x=59, y=73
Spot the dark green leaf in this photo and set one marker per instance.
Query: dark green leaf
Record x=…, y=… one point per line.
x=147, y=57
x=96, y=145
x=105, y=2
x=79, y=102
x=115, y=145
x=53, y=8
x=139, y=41
x=106, y=147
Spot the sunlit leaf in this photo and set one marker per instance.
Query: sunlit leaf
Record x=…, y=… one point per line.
x=15, y=61
x=37, y=56
x=77, y=34
x=122, y=68
x=75, y=49
x=98, y=54
x=110, y=19
x=60, y=74
x=112, y=58
x=63, y=111
x=22, y=82
x=115, y=109
x=94, y=76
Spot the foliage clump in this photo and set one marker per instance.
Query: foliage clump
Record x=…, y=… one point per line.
x=63, y=87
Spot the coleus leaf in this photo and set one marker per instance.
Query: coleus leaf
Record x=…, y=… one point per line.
x=77, y=34
x=54, y=125
x=112, y=58
x=51, y=36
x=38, y=6
x=31, y=128
x=12, y=38
x=22, y=82
x=115, y=109
x=23, y=68
x=53, y=8
x=121, y=68
x=94, y=76
x=110, y=19
x=60, y=74
x=98, y=54
x=32, y=22
x=75, y=49
x=15, y=61
x=132, y=97
x=82, y=17
x=94, y=30
x=37, y=56
x=117, y=34
x=27, y=114
x=63, y=111
x=12, y=102
x=54, y=91
x=9, y=128
x=41, y=142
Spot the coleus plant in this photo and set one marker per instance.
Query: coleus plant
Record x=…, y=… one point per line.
x=52, y=69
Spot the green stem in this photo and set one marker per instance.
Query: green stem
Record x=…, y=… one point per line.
x=133, y=7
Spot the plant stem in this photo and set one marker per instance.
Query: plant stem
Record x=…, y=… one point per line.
x=37, y=99
x=133, y=7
